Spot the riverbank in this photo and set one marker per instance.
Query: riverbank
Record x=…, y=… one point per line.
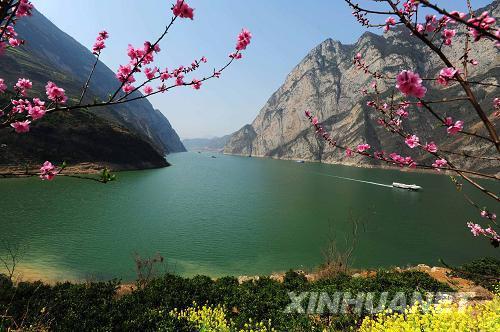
x=284, y=302
x=87, y=168
x=366, y=166
x=441, y=274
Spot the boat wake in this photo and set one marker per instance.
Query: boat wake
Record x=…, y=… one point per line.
x=355, y=180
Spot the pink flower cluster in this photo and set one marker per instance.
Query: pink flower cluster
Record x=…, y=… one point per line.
x=447, y=36
x=477, y=230
x=138, y=57
x=410, y=84
x=36, y=109
x=453, y=128
x=99, y=44
x=244, y=38
x=483, y=21
x=390, y=21
x=182, y=9
x=24, y=9
x=48, y=171
x=21, y=126
x=402, y=161
x=439, y=163
x=55, y=93
x=412, y=141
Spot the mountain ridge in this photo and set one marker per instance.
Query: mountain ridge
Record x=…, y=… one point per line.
x=327, y=83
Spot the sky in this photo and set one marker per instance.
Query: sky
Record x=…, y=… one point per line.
x=284, y=31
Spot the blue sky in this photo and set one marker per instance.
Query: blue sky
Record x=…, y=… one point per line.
x=284, y=31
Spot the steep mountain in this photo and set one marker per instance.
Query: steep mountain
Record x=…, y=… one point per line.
x=327, y=83
x=51, y=54
x=206, y=144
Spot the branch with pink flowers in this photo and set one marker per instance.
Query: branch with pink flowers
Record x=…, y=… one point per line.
x=409, y=90
x=22, y=111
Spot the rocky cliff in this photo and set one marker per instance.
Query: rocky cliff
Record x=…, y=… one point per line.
x=327, y=83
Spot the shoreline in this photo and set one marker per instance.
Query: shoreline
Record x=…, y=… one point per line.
x=438, y=273
x=84, y=168
x=365, y=166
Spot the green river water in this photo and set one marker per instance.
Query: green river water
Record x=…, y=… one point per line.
x=233, y=216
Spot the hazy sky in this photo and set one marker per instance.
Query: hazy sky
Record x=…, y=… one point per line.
x=283, y=33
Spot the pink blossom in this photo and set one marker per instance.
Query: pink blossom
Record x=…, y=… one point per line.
x=410, y=84
x=38, y=111
x=24, y=9
x=475, y=229
x=445, y=75
x=55, y=93
x=315, y=120
x=148, y=90
x=99, y=45
x=412, y=141
x=150, y=72
x=196, y=84
x=483, y=21
x=3, y=86
x=363, y=147
x=21, y=126
x=308, y=114
x=455, y=128
x=217, y=74
x=420, y=28
x=128, y=88
x=390, y=21
x=15, y=42
x=19, y=106
x=447, y=35
x=348, y=152
x=431, y=147
x=22, y=85
x=203, y=59
x=402, y=113
x=124, y=74
x=164, y=75
x=182, y=9
x=179, y=80
x=48, y=171
x=244, y=38
x=439, y=163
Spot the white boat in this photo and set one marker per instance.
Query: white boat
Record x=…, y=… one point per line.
x=299, y=161
x=406, y=186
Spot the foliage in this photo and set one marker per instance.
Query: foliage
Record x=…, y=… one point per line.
x=96, y=306
x=442, y=317
x=484, y=272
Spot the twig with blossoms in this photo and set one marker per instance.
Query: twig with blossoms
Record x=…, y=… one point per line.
x=24, y=111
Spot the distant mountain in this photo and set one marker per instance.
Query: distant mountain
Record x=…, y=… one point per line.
x=327, y=83
x=51, y=54
x=206, y=144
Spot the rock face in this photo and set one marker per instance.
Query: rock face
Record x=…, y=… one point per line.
x=51, y=54
x=327, y=83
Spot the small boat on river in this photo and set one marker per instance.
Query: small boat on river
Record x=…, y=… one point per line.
x=406, y=186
